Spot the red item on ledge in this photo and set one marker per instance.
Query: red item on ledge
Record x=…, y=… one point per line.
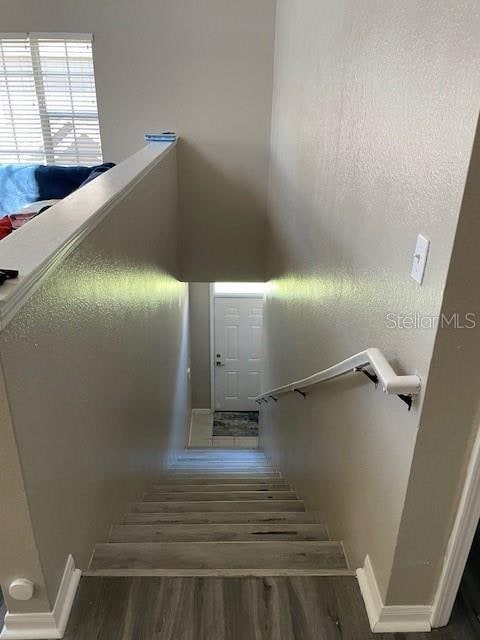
x=17, y=220
x=5, y=227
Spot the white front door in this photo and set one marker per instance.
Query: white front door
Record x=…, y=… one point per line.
x=237, y=353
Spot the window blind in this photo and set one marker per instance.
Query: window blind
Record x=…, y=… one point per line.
x=48, y=104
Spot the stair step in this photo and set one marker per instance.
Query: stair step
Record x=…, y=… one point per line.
x=242, y=459
x=219, y=481
x=222, y=463
x=223, y=517
x=212, y=473
x=156, y=496
x=217, y=532
x=234, y=468
x=248, y=456
x=220, y=513
x=220, y=505
x=208, y=451
x=218, y=559
x=185, y=488
x=218, y=454
x=223, y=459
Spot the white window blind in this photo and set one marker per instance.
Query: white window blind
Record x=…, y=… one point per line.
x=48, y=104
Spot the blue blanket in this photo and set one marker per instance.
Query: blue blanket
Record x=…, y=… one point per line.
x=21, y=184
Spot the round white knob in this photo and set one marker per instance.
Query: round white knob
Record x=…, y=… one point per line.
x=21, y=589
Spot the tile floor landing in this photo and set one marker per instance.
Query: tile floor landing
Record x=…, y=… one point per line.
x=201, y=434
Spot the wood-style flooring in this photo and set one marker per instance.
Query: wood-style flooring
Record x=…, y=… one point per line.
x=222, y=548
x=271, y=608
x=220, y=514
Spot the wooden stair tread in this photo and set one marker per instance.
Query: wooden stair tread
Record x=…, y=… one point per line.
x=220, y=480
x=217, y=532
x=209, y=451
x=194, y=496
x=212, y=462
x=217, y=464
x=219, y=513
x=218, y=558
x=223, y=460
x=222, y=469
x=212, y=473
x=225, y=453
x=222, y=517
x=186, y=488
x=220, y=505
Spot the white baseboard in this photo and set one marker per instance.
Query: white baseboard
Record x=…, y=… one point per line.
x=48, y=625
x=202, y=411
x=390, y=618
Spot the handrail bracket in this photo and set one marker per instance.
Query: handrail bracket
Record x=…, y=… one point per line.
x=371, y=376
x=407, y=399
x=374, y=378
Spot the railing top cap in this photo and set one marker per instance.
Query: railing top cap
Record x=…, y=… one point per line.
x=36, y=247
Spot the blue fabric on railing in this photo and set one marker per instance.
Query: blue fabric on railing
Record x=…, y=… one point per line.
x=21, y=184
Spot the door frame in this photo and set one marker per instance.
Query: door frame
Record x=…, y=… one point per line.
x=214, y=295
x=460, y=541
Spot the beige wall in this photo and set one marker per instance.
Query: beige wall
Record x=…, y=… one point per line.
x=374, y=114
x=202, y=69
x=450, y=416
x=199, y=309
x=18, y=551
x=95, y=366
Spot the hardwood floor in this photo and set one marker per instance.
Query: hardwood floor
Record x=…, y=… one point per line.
x=281, y=608
x=222, y=548
x=227, y=521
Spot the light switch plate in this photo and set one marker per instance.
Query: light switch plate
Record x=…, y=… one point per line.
x=420, y=258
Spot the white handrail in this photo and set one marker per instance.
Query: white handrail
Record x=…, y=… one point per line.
x=374, y=358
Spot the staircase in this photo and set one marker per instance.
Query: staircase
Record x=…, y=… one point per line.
x=220, y=513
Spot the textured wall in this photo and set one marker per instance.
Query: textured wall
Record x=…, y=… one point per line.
x=374, y=114
x=450, y=417
x=199, y=306
x=18, y=551
x=203, y=69
x=96, y=374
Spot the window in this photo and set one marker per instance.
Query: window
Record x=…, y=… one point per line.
x=48, y=104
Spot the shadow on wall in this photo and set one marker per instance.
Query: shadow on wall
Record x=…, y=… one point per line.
x=306, y=235
x=223, y=223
